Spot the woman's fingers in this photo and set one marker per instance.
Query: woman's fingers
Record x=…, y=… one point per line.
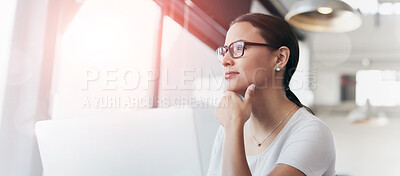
x=233, y=95
x=232, y=109
x=249, y=93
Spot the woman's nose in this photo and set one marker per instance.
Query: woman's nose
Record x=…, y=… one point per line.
x=227, y=60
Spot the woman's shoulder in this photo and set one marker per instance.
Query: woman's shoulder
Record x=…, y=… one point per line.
x=304, y=125
x=311, y=136
x=304, y=119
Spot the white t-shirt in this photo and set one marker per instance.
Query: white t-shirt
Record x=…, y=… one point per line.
x=305, y=143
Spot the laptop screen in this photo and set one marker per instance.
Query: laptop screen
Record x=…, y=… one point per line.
x=150, y=142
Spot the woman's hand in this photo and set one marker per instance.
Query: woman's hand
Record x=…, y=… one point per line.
x=232, y=111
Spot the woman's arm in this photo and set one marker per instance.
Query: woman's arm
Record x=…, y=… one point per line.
x=232, y=113
x=285, y=170
x=234, y=158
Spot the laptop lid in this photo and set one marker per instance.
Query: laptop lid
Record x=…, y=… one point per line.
x=147, y=142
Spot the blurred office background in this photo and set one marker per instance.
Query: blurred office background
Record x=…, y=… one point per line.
x=71, y=58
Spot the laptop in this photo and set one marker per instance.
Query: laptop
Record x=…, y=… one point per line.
x=147, y=142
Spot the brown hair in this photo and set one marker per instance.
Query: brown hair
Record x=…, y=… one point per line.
x=277, y=31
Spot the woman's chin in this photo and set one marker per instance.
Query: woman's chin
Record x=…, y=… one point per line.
x=236, y=89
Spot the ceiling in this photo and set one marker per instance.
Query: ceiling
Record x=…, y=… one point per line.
x=365, y=7
x=377, y=39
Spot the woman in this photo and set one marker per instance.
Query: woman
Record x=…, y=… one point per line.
x=265, y=130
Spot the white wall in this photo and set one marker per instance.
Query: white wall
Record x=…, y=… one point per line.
x=23, y=103
x=304, y=79
x=365, y=150
x=7, y=15
x=361, y=150
x=334, y=54
x=189, y=69
x=327, y=90
x=191, y=76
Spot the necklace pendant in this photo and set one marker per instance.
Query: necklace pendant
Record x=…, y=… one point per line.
x=259, y=144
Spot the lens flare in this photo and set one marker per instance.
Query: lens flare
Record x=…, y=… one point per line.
x=325, y=10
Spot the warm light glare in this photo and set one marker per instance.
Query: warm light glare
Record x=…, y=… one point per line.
x=106, y=53
x=105, y=32
x=325, y=10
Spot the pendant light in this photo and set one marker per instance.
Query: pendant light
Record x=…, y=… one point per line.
x=368, y=115
x=323, y=16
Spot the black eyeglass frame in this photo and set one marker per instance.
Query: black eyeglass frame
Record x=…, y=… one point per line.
x=244, y=46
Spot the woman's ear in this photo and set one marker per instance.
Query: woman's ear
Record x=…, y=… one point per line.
x=282, y=54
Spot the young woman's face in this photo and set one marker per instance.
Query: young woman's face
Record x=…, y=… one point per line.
x=255, y=66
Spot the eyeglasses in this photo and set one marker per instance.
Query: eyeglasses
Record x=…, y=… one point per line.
x=236, y=49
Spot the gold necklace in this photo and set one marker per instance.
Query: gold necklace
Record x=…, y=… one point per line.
x=269, y=134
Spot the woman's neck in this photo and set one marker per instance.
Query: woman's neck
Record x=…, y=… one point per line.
x=269, y=107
